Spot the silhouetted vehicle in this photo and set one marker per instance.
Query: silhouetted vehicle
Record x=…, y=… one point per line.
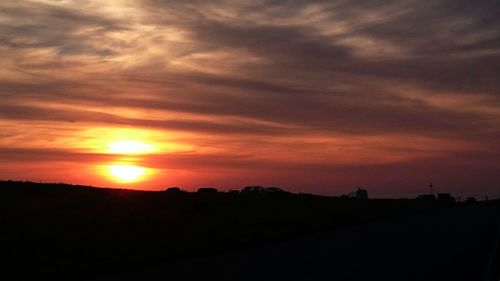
x=445, y=197
x=254, y=189
x=273, y=189
x=257, y=189
x=426, y=197
x=360, y=194
x=173, y=189
x=207, y=190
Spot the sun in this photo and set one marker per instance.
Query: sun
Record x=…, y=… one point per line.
x=126, y=173
x=130, y=147
x=124, y=170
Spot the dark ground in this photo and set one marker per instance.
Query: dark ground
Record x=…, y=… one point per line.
x=453, y=244
x=72, y=232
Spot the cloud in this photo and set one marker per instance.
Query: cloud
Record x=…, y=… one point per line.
x=273, y=70
x=36, y=25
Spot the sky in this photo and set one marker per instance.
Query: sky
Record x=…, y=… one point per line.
x=313, y=96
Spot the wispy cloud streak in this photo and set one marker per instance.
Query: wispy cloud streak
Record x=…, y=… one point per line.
x=405, y=80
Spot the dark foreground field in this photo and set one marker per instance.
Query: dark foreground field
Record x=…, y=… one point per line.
x=72, y=232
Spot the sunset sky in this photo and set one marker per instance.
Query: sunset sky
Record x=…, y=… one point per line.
x=312, y=96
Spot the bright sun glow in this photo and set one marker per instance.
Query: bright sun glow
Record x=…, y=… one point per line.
x=126, y=173
x=130, y=147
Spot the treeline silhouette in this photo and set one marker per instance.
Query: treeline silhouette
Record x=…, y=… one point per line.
x=54, y=229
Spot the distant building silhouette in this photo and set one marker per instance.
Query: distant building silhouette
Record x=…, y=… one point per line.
x=429, y=196
x=426, y=197
x=359, y=193
x=445, y=197
x=470, y=200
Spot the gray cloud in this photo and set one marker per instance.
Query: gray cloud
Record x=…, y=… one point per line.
x=267, y=69
x=35, y=25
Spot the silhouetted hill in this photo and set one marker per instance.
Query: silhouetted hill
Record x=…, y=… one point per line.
x=57, y=229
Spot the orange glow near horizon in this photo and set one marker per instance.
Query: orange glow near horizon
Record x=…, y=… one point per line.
x=126, y=173
x=130, y=147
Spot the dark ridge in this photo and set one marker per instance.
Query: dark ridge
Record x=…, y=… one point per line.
x=55, y=229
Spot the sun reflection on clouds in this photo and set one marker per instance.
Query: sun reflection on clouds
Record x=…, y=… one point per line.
x=129, y=141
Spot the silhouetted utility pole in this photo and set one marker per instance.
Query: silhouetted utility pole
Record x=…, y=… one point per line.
x=431, y=188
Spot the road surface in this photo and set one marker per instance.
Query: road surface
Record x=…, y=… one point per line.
x=453, y=244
